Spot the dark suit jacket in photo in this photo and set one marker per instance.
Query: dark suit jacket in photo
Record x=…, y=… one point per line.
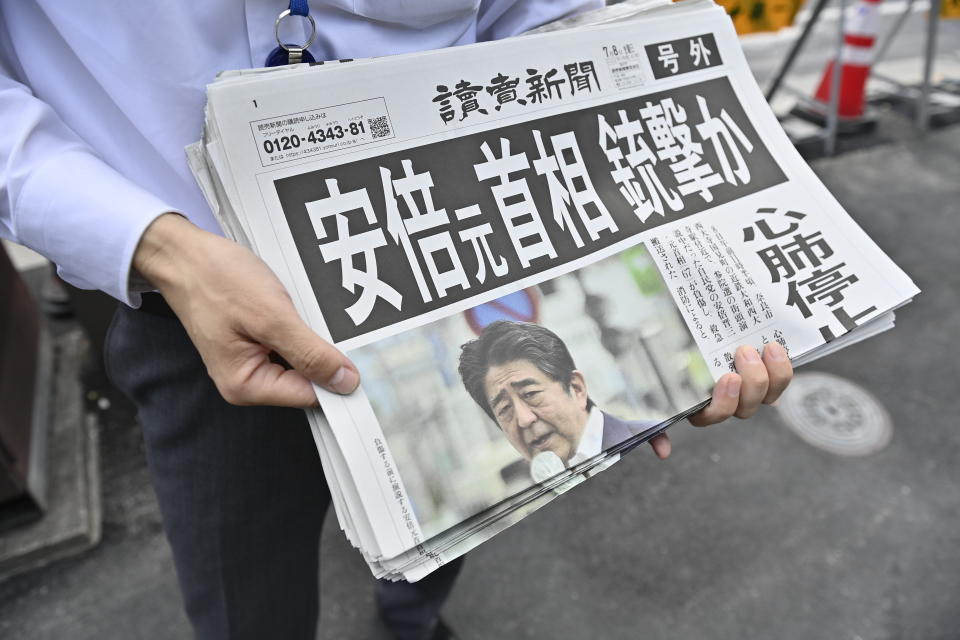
x=616, y=430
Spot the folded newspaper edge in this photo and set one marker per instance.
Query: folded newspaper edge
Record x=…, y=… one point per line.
x=566, y=150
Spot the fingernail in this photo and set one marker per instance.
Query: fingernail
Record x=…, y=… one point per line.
x=345, y=380
x=733, y=387
x=750, y=355
x=776, y=351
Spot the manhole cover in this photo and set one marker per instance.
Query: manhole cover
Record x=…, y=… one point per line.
x=835, y=415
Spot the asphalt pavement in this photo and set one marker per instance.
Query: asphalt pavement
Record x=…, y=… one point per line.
x=747, y=531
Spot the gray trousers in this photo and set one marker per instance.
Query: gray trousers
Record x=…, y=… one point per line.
x=242, y=494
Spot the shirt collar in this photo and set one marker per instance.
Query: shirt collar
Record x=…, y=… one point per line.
x=591, y=442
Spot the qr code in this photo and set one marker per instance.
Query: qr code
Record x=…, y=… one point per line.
x=379, y=126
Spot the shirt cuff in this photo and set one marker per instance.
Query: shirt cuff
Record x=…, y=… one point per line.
x=88, y=219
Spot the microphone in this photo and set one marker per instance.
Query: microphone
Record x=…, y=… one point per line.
x=545, y=465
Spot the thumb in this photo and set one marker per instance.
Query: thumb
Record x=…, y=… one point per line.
x=661, y=445
x=314, y=357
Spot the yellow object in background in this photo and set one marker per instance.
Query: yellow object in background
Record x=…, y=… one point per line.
x=780, y=13
x=950, y=8
x=752, y=16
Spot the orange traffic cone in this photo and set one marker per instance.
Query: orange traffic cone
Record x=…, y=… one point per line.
x=856, y=56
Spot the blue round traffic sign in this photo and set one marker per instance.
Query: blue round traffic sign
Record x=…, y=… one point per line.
x=519, y=306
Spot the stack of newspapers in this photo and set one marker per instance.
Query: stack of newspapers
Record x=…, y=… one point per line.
x=540, y=252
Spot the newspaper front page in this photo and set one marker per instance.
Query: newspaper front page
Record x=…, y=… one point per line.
x=537, y=251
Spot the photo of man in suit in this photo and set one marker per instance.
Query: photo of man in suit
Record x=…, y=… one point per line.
x=523, y=376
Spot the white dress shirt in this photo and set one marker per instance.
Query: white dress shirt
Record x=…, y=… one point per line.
x=98, y=99
x=591, y=442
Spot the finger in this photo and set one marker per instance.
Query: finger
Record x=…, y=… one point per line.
x=661, y=445
x=273, y=385
x=726, y=395
x=313, y=356
x=779, y=370
x=755, y=381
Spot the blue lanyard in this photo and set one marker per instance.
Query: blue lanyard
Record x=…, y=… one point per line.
x=292, y=53
x=299, y=8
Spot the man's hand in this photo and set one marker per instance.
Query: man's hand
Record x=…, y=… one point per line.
x=758, y=380
x=239, y=317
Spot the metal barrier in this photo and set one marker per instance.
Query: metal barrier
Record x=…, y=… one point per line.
x=830, y=119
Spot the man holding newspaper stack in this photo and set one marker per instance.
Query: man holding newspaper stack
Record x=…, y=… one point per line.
x=97, y=101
